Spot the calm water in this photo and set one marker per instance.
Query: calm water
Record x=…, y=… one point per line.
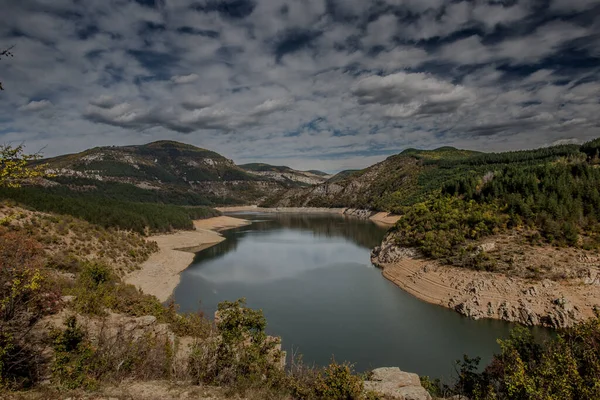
x=312, y=276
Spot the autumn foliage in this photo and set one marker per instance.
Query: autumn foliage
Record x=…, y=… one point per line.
x=25, y=296
x=15, y=168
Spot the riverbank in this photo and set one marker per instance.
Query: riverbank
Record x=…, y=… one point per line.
x=159, y=275
x=382, y=218
x=478, y=294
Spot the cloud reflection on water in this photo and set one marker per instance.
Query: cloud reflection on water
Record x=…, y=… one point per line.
x=270, y=256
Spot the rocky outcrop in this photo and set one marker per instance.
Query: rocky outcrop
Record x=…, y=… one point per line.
x=478, y=294
x=388, y=252
x=359, y=213
x=396, y=384
x=291, y=175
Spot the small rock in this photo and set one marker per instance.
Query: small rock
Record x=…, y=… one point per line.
x=489, y=246
x=67, y=299
x=146, y=320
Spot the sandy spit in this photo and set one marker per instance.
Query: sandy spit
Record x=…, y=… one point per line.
x=384, y=218
x=159, y=275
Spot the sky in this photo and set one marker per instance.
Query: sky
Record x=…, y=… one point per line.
x=313, y=84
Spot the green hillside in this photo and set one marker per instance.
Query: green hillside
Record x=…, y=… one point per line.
x=450, y=199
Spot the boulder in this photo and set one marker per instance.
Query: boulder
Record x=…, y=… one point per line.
x=389, y=252
x=394, y=374
x=396, y=384
x=485, y=247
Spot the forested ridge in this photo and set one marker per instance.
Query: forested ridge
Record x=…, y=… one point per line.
x=548, y=195
x=107, y=212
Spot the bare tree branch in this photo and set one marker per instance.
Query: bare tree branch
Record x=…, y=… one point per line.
x=6, y=53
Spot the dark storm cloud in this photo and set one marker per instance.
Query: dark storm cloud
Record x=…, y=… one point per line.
x=294, y=40
x=228, y=8
x=325, y=84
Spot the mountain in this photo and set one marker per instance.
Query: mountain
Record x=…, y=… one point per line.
x=379, y=187
x=285, y=174
x=411, y=176
x=317, y=172
x=169, y=171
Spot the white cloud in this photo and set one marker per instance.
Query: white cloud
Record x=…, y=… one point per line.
x=411, y=94
x=271, y=105
x=194, y=102
x=183, y=79
x=546, y=40
x=36, y=105
x=136, y=74
x=104, y=101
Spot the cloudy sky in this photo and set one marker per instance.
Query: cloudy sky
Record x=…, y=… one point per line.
x=325, y=84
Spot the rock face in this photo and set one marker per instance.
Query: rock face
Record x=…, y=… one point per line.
x=397, y=384
x=480, y=294
x=388, y=253
x=285, y=174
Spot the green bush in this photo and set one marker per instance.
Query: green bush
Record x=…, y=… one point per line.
x=438, y=226
x=73, y=357
x=337, y=381
x=566, y=367
x=114, y=356
x=241, y=355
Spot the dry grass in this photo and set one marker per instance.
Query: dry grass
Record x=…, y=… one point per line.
x=68, y=241
x=515, y=254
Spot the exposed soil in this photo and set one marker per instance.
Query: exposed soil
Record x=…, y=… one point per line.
x=525, y=293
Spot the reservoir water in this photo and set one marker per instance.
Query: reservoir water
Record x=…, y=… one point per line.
x=312, y=277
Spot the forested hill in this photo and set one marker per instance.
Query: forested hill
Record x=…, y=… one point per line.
x=164, y=172
x=154, y=187
x=400, y=179
x=414, y=175
x=450, y=200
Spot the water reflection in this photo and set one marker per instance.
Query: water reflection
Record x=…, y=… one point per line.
x=313, y=279
x=363, y=233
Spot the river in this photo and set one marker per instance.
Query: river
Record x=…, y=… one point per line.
x=312, y=277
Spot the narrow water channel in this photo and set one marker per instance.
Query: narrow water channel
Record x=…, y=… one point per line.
x=312, y=277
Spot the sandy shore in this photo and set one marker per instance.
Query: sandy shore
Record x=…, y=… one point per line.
x=493, y=295
x=382, y=218
x=307, y=210
x=159, y=275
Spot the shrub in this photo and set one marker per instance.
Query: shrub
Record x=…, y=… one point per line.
x=566, y=367
x=338, y=382
x=26, y=294
x=94, y=289
x=241, y=355
x=114, y=356
x=72, y=367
